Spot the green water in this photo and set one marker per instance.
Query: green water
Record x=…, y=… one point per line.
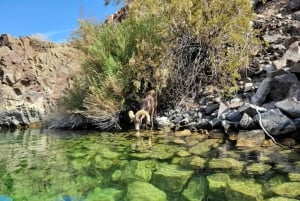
x=67, y=166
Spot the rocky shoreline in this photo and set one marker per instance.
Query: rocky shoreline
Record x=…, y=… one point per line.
x=35, y=74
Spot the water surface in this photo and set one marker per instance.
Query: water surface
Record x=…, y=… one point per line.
x=61, y=165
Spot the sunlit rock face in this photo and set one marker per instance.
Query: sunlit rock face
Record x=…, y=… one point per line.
x=34, y=75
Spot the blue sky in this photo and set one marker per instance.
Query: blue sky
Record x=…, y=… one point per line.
x=53, y=20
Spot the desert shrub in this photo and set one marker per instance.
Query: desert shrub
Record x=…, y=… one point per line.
x=115, y=67
x=215, y=35
x=173, y=46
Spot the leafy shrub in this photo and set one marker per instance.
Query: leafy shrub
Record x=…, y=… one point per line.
x=224, y=27
x=115, y=66
x=175, y=46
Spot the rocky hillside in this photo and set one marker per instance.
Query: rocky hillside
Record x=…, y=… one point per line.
x=34, y=75
x=268, y=103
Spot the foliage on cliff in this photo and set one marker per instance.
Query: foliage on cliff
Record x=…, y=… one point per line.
x=187, y=44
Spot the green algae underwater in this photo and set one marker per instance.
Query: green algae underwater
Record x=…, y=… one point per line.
x=42, y=165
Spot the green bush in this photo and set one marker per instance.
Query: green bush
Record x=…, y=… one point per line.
x=114, y=64
x=146, y=50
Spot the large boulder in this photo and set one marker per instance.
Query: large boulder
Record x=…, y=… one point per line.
x=276, y=123
x=290, y=107
x=263, y=90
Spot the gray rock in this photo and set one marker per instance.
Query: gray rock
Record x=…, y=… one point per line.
x=248, y=86
x=295, y=68
x=176, y=120
x=293, y=5
x=203, y=124
x=273, y=38
x=290, y=107
x=210, y=108
x=185, y=121
x=216, y=122
x=297, y=123
x=251, y=110
x=247, y=122
x=296, y=16
x=279, y=64
x=276, y=72
x=263, y=90
x=234, y=116
x=281, y=85
x=276, y=123
x=164, y=122
x=292, y=53
x=294, y=91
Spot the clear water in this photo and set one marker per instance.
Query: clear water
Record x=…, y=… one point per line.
x=60, y=165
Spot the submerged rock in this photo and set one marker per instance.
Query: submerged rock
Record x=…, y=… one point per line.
x=138, y=171
x=159, y=151
x=137, y=191
x=107, y=194
x=103, y=163
x=217, y=183
x=294, y=176
x=171, y=178
x=253, y=138
x=203, y=148
x=226, y=164
x=246, y=190
x=288, y=189
x=258, y=168
x=196, y=189
x=281, y=199
x=193, y=162
x=116, y=175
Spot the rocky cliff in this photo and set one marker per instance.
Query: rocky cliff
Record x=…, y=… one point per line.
x=34, y=75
